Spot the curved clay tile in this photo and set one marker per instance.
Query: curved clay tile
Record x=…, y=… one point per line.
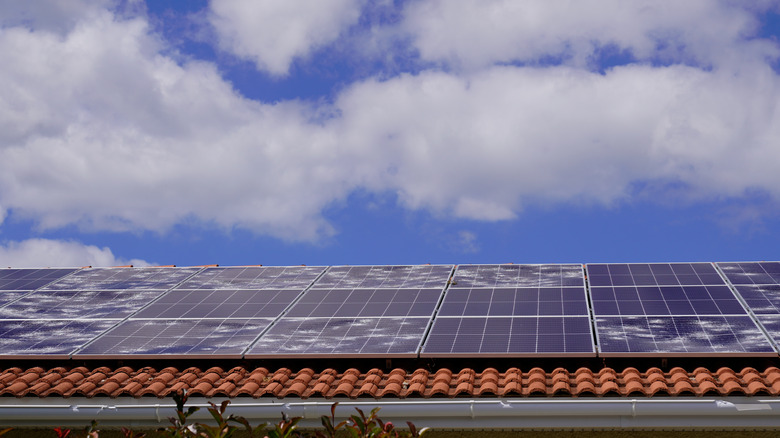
x=657, y=386
x=390, y=389
x=757, y=387
x=683, y=387
x=439, y=388
x=634, y=387
x=708, y=387
x=250, y=388
x=17, y=389
x=511, y=388
x=273, y=388
x=84, y=389
x=561, y=386
x=155, y=389
x=584, y=375
x=730, y=387
x=59, y=390
x=608, y=387
x=536, y=388
x=131, y=388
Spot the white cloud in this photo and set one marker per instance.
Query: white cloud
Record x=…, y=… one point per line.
x=99, y=128
x=476, y=33
x=272, y=33
x=39, y=253
x=481, y=146
x=50, y=15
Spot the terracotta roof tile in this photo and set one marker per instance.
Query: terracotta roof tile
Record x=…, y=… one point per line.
x=398, y=383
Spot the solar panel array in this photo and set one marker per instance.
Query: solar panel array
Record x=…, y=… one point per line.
x=670, y=309
x=217, y=312
x=759, y=285
x=513, y=310
x=661, y=309
x=359, y=311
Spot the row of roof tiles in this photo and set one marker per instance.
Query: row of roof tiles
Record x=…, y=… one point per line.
x=375, y=383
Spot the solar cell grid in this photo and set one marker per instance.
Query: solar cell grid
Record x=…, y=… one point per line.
x=222, y=303
x=366, y=303
x=653, y=274
x=369, y=277
x=192, y=338
x=680, y=335
x=348, y=337
x=664, y=300
x=29, y=279
x=78, y=304
x=518, y=276
x=514, y=302
x=752, y=272
x=510, y=337
x=50, y=339
x=254, y=277
x=7, y=296
x=123, y=279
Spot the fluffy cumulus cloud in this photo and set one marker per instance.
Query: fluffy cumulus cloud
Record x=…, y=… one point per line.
x=100, y=128
x=273, y=33
x=476, y=33
x=41, y=253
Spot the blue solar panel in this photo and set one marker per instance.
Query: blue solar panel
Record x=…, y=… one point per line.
x=489, y=276
x=366, y=303
x=509, y=337
x=542, y=301
x=123, y=279
x=191, y=338
x=653, y=274
x=372, y=277
x=78, y=304
x=29, y=279
x=752, y=272
x=681, y=335
x=513, y=310
x=341, y=337
x=49, y=339
x=223, y=303
x=254, y=277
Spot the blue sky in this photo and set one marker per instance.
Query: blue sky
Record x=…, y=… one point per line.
x=388, y=132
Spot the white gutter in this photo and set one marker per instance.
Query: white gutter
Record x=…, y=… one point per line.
x=510, y=413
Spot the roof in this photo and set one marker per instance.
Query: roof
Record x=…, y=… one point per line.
x=444, y=399
x=353, y=383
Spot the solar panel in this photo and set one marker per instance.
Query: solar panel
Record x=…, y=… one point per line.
x=677, y=308
x=78, y=304
x=29, y=279
x=681, y=335
x=366, y=303
x=53, y=339
x=752, y=272
x=191, y=338
x=123, y=279
x=341, y=337
x=223, y=303
x=510, y=337
x=254, y=277
x=518, y=276
x=371, y=277
x=513, y=310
